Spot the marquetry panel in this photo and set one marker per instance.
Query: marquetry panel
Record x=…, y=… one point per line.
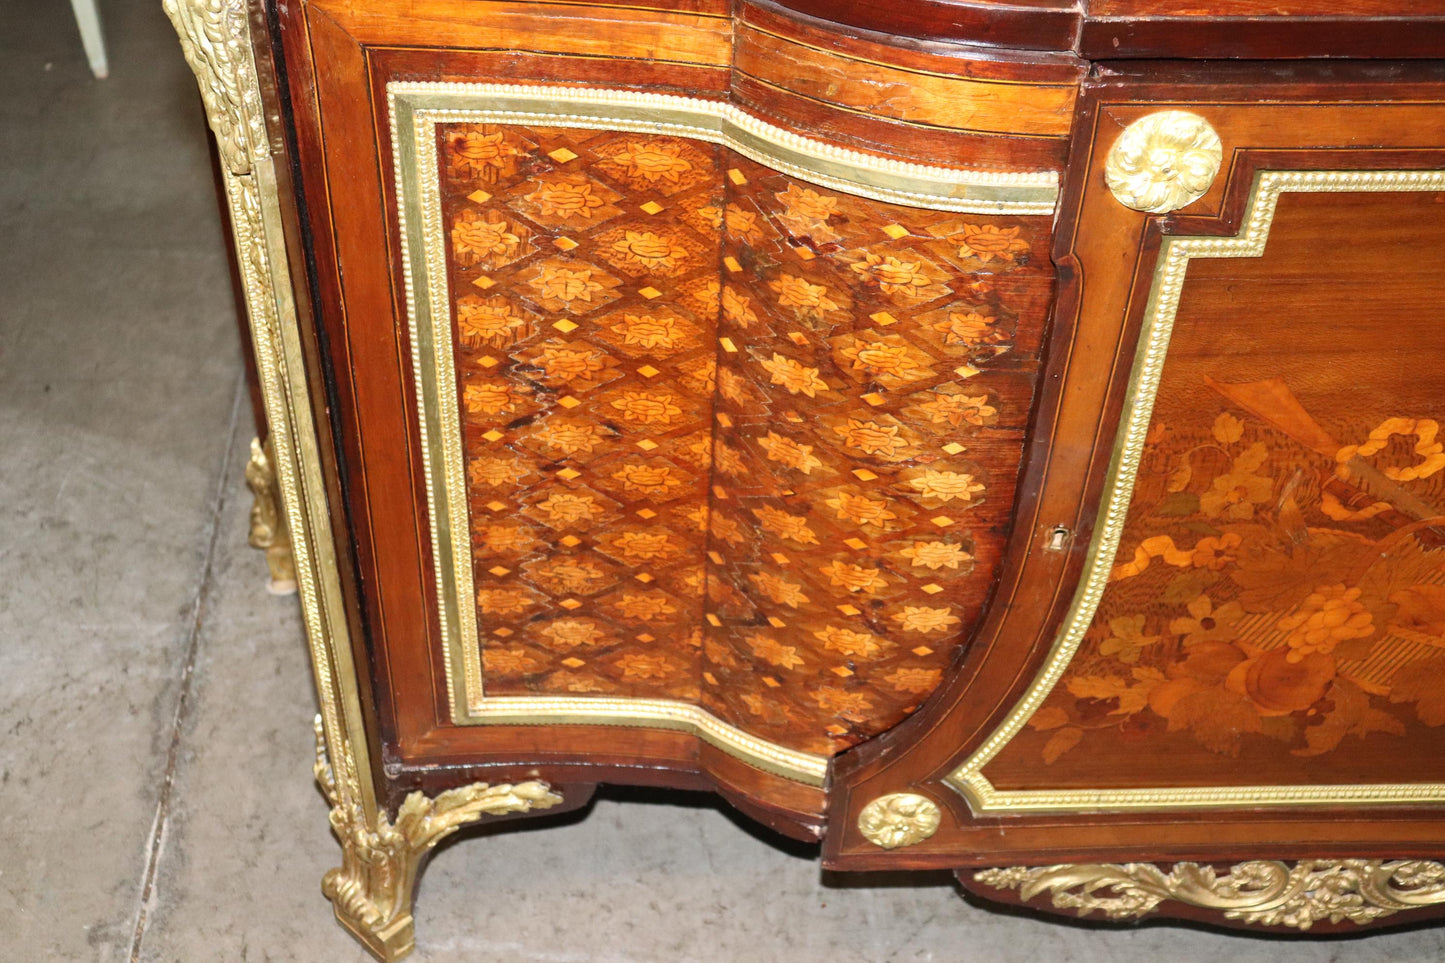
x=874, y=380
x=731, y=439
x=1276, y=607
x=584, y=267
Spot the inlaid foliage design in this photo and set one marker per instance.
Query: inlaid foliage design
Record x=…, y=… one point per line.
x=732, y=439
x=1277, y=582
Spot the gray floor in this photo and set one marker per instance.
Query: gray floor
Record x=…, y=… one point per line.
x=155, y=798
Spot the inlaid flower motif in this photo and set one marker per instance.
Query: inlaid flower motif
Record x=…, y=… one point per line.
x=890, y=359
x=557, y=283
x=850, y=643
x=565, y=199
x=649, y=250
x=570, y=633
x=807, y=204
x=654, y=161
x=966, y=327
x=698, y=451
x=872, y=438
x=854, y=578
x=914, y=680
x=644, y=607
x=1235, y=493
x=574, y=682
x=489, y=399
x=989, y=241
x=567, y=363
x=729, y=460
x=809, y=299
x=789, y=453
x=1216, y=552
x=643, y=546
x=479, y=322
x=779, y=589
x=493, y=471
x=922, y=618
x=648, y=332
x=702, y=375
x=506, y=539
x=946, y=485
x=743, y=224
x=478, y=237
x=771, y=651
x=724, y=528
x=570, y=437
x=1207, y=622
x=509, y=661
x=479, y=152
x=570, y=508
x=737, y=308
x=644, y=666
x=1331, y=614
x=701, y=295
x=1127, y=638
x=853, y=706
x=779, y=522
x=893, y=275
x=712, y=216
x=733, y=387
x=958, y=409
x=649, y=479
x=646, y=407
x=504, y=601
x=936, y=555
x=571, y=574
x=861, y=509
x=797, y=377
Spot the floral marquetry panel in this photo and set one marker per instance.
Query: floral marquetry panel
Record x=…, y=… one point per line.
x=1276, y=607
x=731, y=438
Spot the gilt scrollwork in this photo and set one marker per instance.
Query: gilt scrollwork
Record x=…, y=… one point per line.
x=372, y=888
x=215, y=38
x=268, y=530
x=1259, y=892
x=1163, y=161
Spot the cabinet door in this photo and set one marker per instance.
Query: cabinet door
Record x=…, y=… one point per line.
x=682, y=400
x=1222, y=631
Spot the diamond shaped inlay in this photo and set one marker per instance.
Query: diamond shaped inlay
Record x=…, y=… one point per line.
x=713, y=417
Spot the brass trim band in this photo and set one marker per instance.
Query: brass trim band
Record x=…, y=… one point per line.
x=717, y=122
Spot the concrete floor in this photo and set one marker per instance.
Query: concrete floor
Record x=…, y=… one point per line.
x=155, y=792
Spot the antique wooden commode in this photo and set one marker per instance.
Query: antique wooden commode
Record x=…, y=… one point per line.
x=1000, y=437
